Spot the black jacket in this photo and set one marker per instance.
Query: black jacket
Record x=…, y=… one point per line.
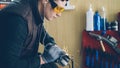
x=14, y=31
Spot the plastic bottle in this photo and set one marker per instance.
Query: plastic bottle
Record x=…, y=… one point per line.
x=103, y=19
x=89, y=19
x=97, y=21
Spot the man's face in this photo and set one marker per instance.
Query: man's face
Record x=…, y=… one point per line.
x=49, y=12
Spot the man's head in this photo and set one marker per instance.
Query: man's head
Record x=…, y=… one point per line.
x=52, y=8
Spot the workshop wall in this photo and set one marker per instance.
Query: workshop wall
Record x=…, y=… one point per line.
x=67, y=29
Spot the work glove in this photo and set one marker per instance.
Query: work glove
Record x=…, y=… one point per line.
x=53, y=53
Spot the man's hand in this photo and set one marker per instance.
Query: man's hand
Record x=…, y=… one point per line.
x=51, y=53
x=41, y=61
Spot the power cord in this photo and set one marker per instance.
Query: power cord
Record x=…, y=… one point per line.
x=72, y=63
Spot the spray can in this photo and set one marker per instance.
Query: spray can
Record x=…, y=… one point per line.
x=103, y=19
x=89, y=19
x=97, y=21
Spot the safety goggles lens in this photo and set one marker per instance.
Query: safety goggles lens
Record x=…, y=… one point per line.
x=58, y=9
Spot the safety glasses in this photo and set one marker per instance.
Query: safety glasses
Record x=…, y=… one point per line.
x=56, y=8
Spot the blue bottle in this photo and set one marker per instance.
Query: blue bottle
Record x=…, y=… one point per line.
x=97, y=21
x=103, y=19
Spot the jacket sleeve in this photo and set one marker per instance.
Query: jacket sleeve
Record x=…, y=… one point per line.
x=13, y=36
x=45, y=38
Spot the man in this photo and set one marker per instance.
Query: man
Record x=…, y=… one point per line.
x=21, y=30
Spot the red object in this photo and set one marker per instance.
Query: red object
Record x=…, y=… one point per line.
x=118, y=16
x=93, y=43
x=90, y=41
x=2, y=6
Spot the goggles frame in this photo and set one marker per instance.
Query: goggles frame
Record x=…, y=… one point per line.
x=58, y=9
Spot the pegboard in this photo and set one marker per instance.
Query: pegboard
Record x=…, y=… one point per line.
x=94, y=56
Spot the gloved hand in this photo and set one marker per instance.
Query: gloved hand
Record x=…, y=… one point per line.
x=52, y=53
